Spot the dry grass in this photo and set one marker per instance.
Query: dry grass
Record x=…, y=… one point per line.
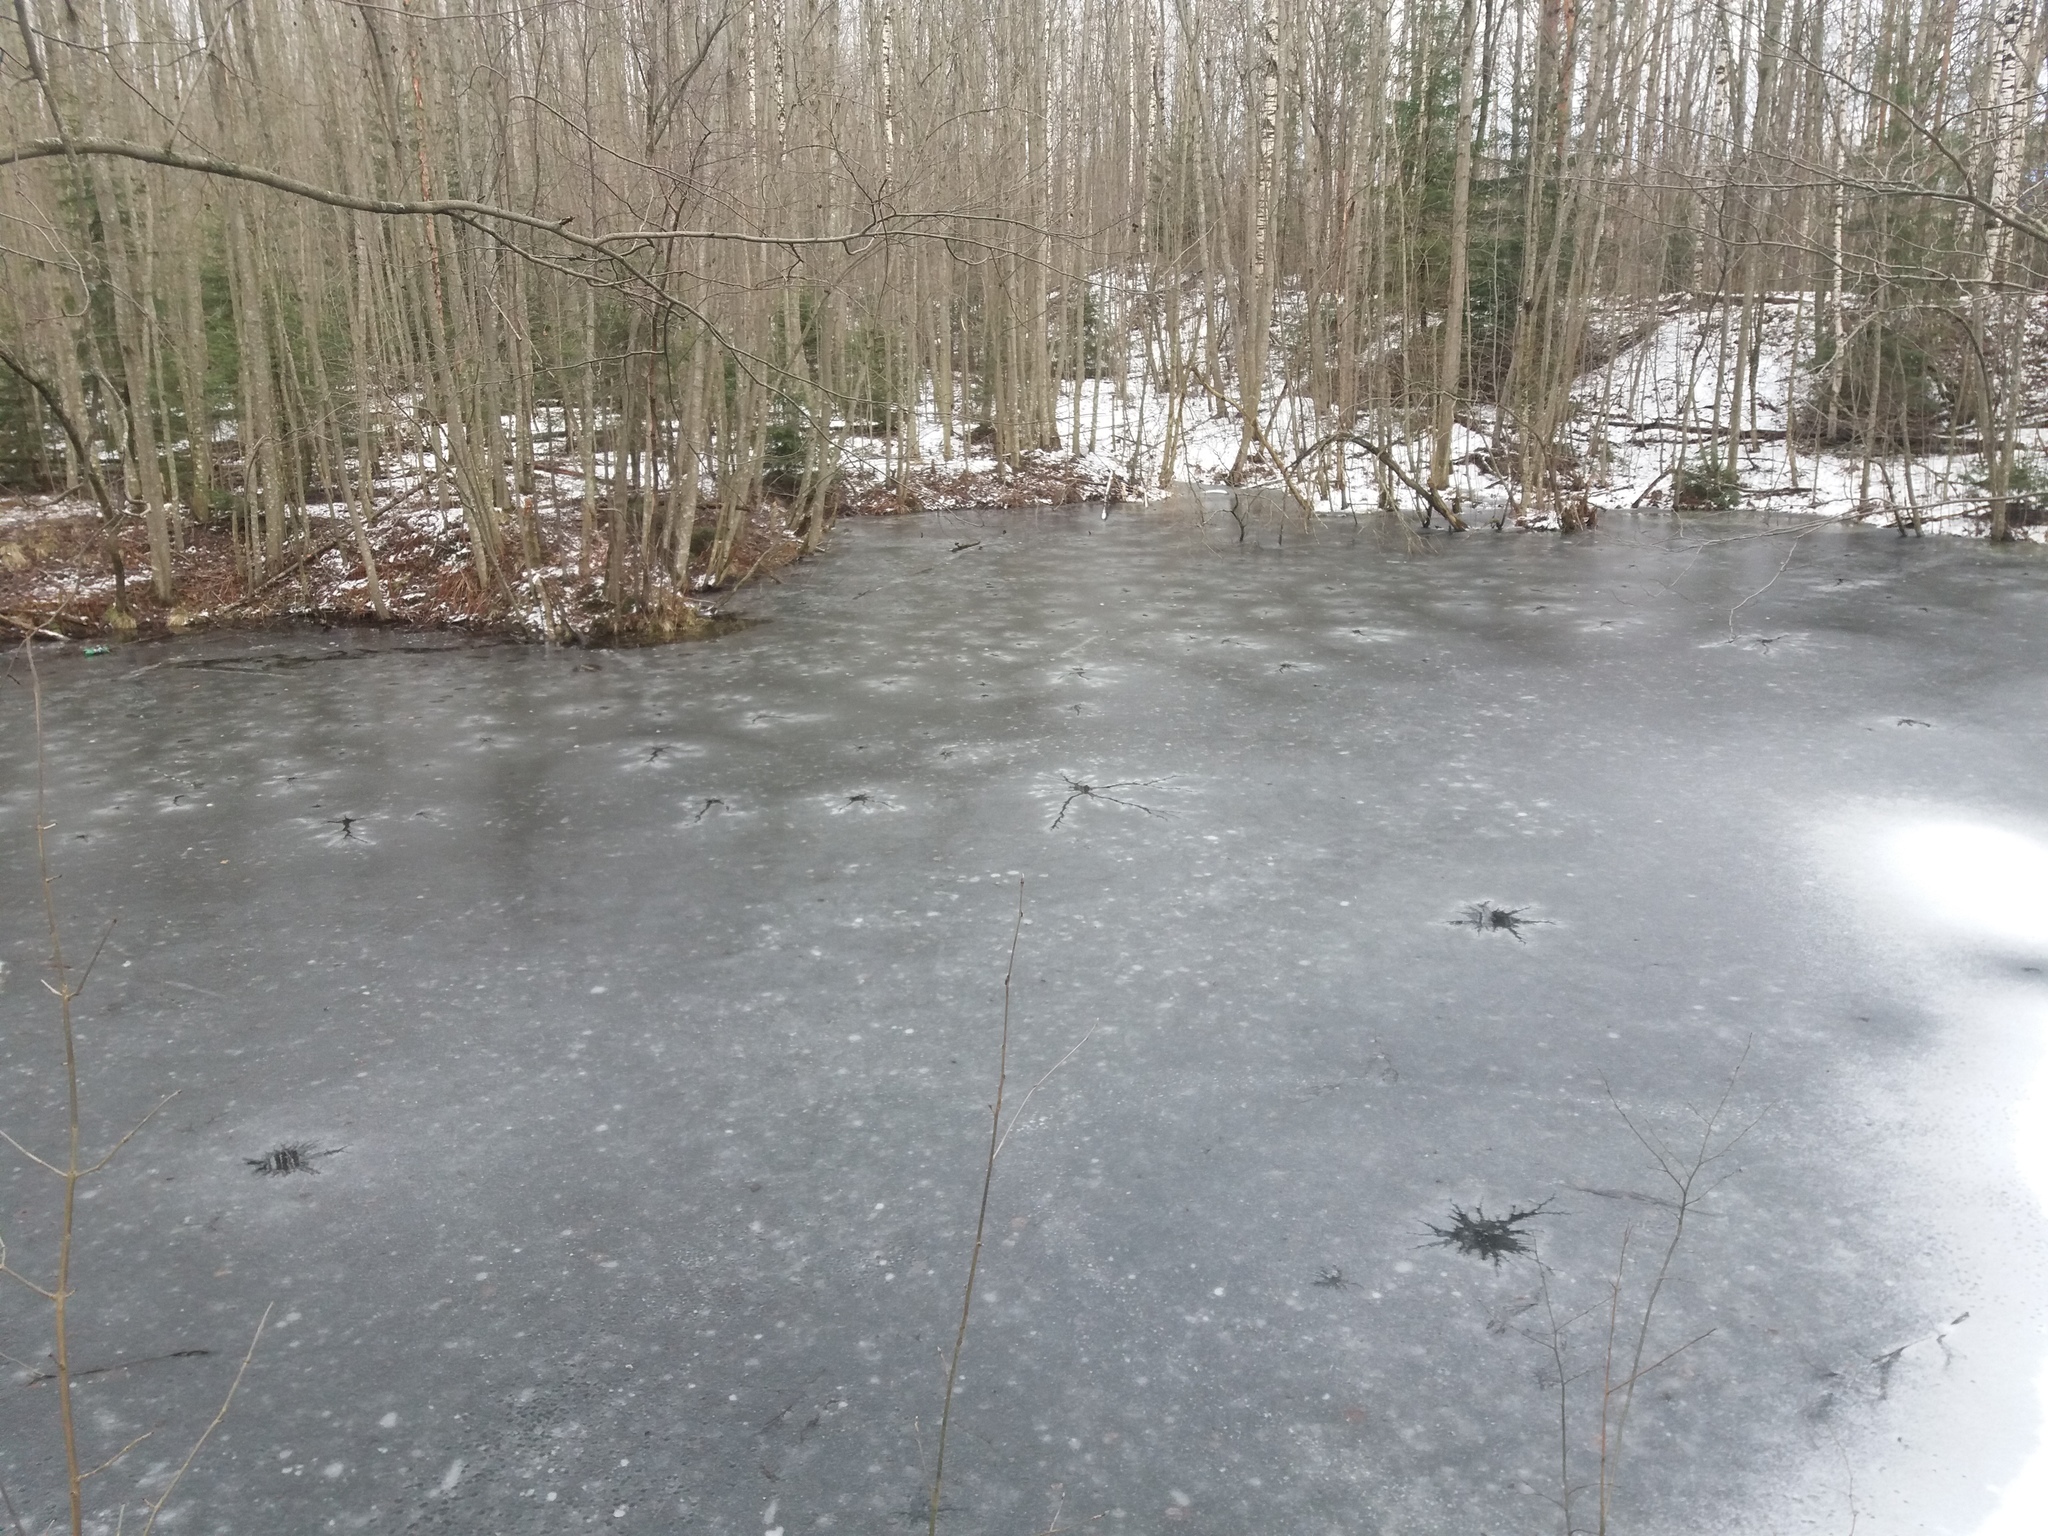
x=54, y=576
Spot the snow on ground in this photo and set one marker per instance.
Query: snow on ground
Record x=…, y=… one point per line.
x=1637, y=418
x=1655, y=404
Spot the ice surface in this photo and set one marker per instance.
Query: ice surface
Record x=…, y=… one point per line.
x=652, y=998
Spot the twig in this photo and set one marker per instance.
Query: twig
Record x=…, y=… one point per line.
x=1685, y=1184
x=1555, y=1344
x=1667, y=1359
x=96, y=1471
x=1101, y=792
x=782, y=1413
x=1385, y=455
x=22, y=1280
x=1610, y=1449
x=286, y=572
x=765, y=553
x=60, y=1291
x=115, y=1149
x=1760, y=591
x=24, y=1151
x=988, y=1175
x=331, y=547
x=73, y=1171
x=86, y=975
x=1795, y=533
x=249, y=1354
x=13, y=1515
x=1025, y=1103
x=1272, y=454
x=1645, y=496
x=1059, y=1503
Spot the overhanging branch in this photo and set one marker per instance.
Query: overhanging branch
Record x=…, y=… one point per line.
x=891, y=226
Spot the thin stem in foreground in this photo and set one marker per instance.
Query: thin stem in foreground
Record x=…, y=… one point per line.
x=60, y=1293
x=157, y=1507
x=988, y=1174
x=72, y=1170
x=1685, y=1181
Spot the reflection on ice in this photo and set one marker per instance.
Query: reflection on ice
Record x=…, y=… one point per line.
x=1977, y=878
x=2024, y=1498
x=1992, y=883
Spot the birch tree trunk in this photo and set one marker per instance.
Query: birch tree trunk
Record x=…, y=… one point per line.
x=1257, y=322
x=1450, y=368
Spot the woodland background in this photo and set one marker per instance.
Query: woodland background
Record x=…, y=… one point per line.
x=568, y=311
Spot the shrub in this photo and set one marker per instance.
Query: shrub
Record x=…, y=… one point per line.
x=1705, y=485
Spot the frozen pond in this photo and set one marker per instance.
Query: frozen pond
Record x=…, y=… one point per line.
x=652, y=1000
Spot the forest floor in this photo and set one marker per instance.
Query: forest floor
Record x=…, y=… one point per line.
x=1640, y=416
x=56, y=576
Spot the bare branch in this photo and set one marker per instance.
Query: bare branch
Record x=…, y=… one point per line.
x=22, y=1280
x=115, y=1150
x=156, y=1508
x=888, y=226
x=13, y=1515
x=24, y=1151
x=988, y=1176
x=93, y=959
x=96, y=1471
x=1025, y=1103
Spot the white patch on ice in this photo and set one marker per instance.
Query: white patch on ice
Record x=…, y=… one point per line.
x=1992, y=883
x=2022, y=1500
x=389, y=1421
x=452, y=1476
x=1985, y=881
